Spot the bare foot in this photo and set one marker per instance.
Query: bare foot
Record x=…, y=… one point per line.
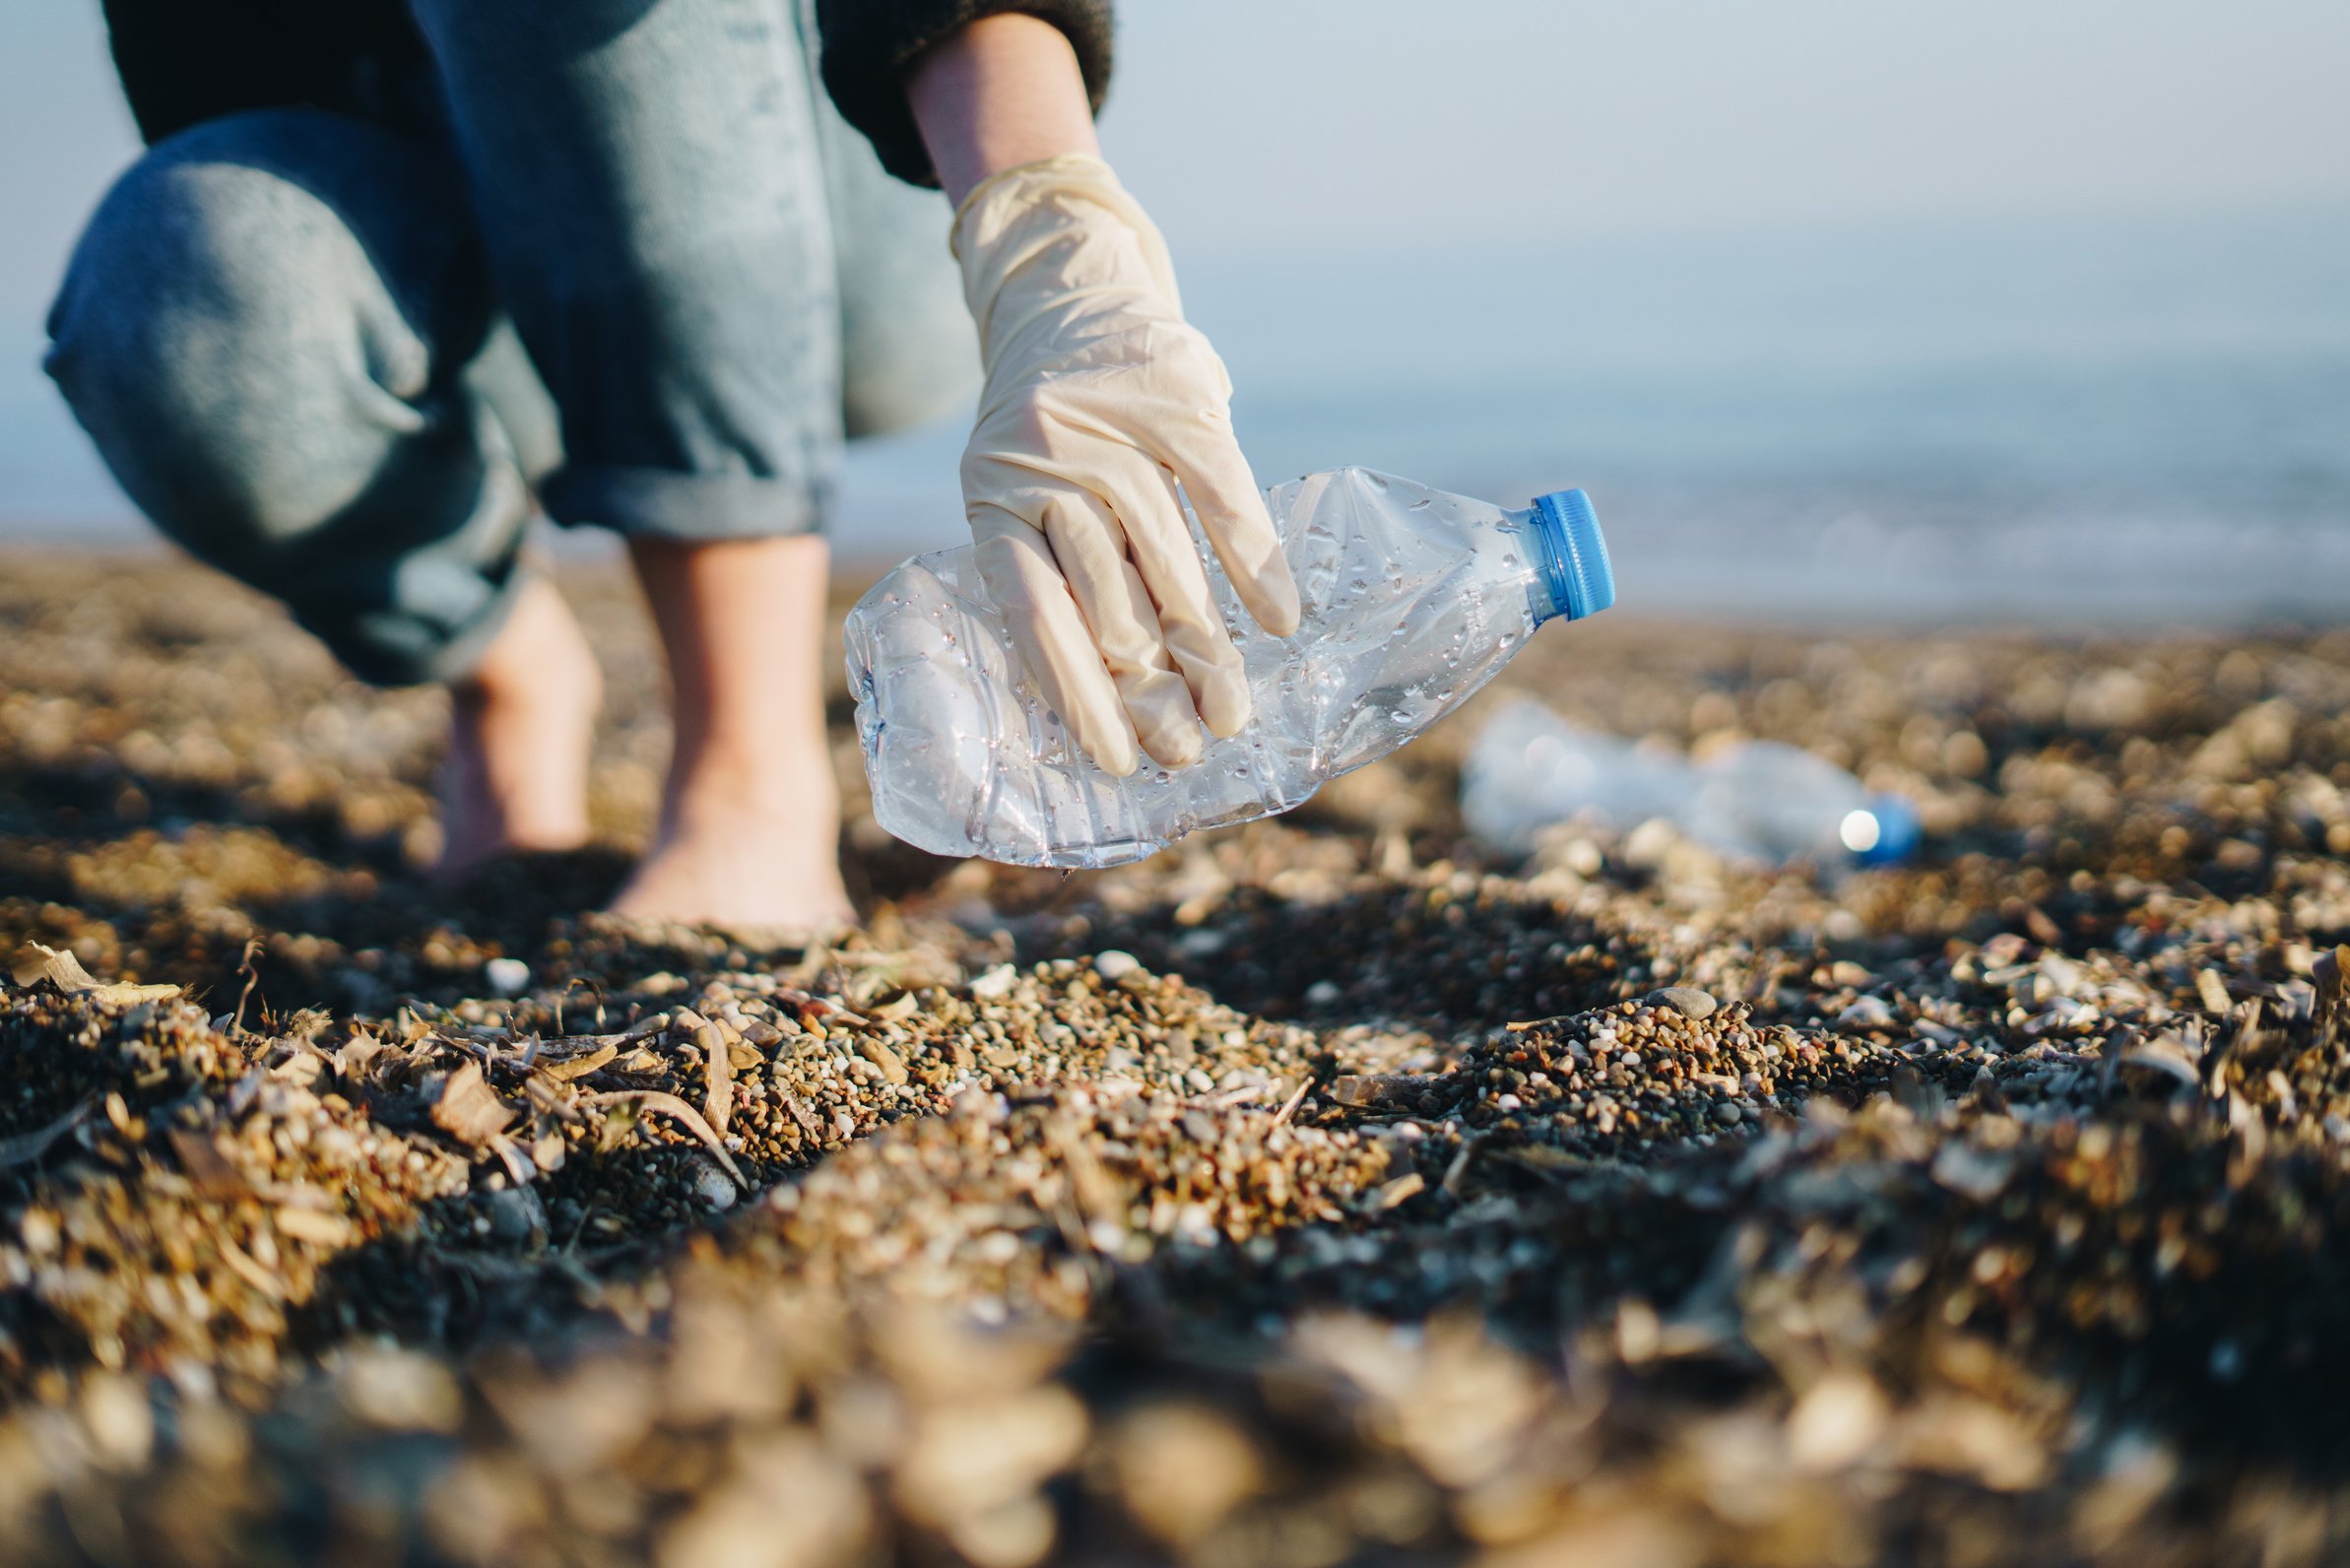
x=520, y=728
x=749, y=851
x=750, y=818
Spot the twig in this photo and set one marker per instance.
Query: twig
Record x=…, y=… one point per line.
x=718, y=1075
x=241, y=1264
x=1458, y=1170
x=252, y=976
x=1290, y=1106
x=594, y=991
x=670, y=1105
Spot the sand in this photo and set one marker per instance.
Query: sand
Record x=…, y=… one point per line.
x=1331, y=1189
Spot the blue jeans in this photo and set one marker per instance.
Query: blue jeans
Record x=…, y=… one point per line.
x=639, y=267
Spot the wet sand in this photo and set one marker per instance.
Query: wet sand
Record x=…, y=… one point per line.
x=1325, y=1190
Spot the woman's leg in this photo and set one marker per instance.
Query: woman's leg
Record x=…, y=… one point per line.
x=751, y=786
x=267, y=330
x=750, y=818
x=521, y=723
x=651, y=193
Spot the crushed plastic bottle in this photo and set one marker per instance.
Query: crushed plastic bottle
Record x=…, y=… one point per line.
x=1413, y=599
x=1758, y=801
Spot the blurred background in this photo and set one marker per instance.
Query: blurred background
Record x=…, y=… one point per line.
x=2007, y=310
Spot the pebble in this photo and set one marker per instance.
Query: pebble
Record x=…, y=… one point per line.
x=1866, y=1013
x=1687, y=1000
x=713, y=1184
x=506, y=977
x=1115, y=964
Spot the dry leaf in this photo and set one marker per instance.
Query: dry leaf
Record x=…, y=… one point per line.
x=469, y=1110
x=65, y=973
x=354, y=1059
x=546, y=1144
x=563, y=1072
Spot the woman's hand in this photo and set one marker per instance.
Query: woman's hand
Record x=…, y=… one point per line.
x=1099, y=400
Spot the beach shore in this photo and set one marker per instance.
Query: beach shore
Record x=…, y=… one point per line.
x=1331, y=1189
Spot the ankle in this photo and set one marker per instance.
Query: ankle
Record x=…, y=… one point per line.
x=731, y=781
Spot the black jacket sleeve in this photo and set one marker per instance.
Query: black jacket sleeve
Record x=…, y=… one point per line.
x=182, y=61
x=868, y=43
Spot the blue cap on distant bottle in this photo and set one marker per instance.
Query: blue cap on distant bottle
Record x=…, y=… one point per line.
x=1884, y=833
x=1575, y=561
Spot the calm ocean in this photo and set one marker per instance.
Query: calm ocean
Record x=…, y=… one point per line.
x=2110, y=422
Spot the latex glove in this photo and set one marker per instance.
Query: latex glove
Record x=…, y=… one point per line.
x=1099, y=397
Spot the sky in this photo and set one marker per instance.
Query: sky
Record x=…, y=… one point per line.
x=1269, y=123
x=1356, y=183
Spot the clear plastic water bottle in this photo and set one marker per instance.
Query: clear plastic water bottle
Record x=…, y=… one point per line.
x=1412, y=600
x=1758, y=800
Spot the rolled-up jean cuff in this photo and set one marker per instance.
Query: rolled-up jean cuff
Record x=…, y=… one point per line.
x=659, y=503
x=394, y=647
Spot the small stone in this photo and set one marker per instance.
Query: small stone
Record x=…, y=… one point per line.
x=514, y=1214
x=1322, y=993
x=880, y=1056
x=995, y=982
x=120, y=1421
x=1687, y=1000
x=1116, y=964
x=712, y=1185
x=1728, y=1113
x=1866, y=1013
x=506, y=977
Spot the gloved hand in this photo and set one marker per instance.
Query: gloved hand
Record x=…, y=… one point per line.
x=1099, y=397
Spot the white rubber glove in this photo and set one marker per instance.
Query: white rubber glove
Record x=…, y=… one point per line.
x=1100, y=397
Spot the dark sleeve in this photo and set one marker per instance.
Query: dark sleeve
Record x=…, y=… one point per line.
x=182, y=61
x=868, y=43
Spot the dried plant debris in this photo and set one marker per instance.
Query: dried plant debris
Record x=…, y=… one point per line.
x=39, y=965
x=1327, y=1191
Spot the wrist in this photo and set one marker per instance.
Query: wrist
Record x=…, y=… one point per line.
x=1004, y=91
x=1022, y=221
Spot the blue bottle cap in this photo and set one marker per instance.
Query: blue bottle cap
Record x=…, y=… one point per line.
x=1582, y=582
x=1898, y=832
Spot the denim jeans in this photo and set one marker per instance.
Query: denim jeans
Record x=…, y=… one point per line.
x=638, y=267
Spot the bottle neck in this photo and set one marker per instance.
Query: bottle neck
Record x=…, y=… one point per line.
x=1546, y=592
x=1573, y=577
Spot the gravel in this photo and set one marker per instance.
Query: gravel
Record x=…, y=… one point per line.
x=1327, y=1190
